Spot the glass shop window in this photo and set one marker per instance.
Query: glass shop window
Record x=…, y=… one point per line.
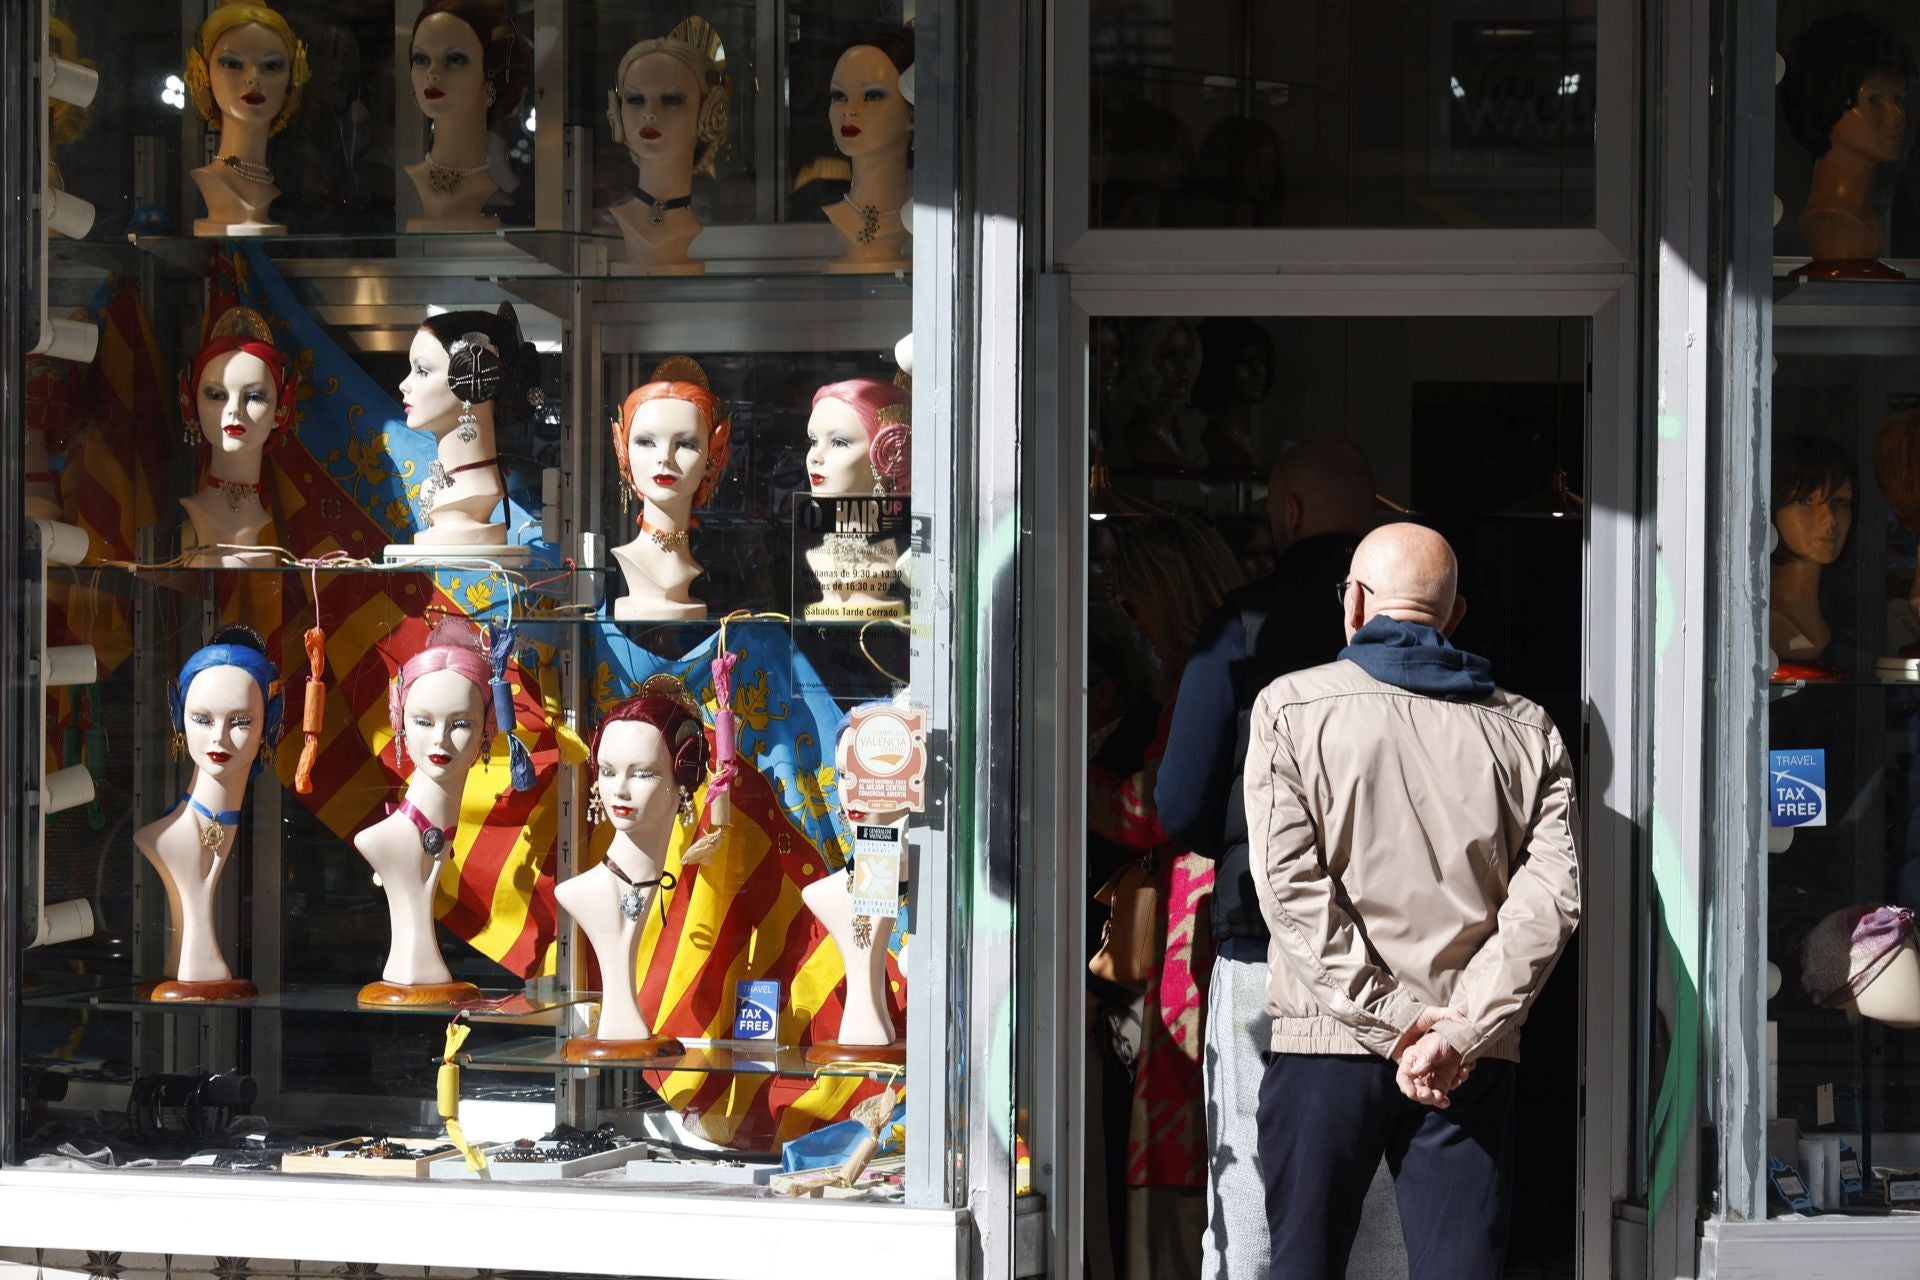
x=1843, y=978
x=1326, y=115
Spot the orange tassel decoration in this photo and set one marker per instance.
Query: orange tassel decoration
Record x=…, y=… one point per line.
x=313, y=715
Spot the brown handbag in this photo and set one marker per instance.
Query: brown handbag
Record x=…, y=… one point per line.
x=1134, y=938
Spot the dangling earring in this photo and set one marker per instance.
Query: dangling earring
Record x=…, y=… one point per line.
x=595, y=813
x=492, y=93
x=686, y=807
x=186, y=430
x=486, y=752
x=879, y=482
x=177, y=747
x=469, y=425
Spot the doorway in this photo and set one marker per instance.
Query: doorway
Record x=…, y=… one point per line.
x=1478, y=426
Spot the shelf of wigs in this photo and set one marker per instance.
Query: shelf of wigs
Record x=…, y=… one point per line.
x=714, y=1057
x=119, y=996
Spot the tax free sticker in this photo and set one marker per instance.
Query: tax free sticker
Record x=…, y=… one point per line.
x=1798, y=780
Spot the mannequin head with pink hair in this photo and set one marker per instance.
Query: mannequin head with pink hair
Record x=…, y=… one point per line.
x=439, y=705
x=859, y=440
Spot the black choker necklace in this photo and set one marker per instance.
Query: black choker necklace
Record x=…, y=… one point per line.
x=661, y=208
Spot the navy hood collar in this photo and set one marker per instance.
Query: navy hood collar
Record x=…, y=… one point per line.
x=1417, y=658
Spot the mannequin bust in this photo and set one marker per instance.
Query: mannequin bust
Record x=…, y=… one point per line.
x=245, y=74
x=668, y=108
x=866, y=1025
x=648, y=757
x=671, y=443
x=1165, y=355
x=859, y=444
x=226, y=708
x=442, y=717
x=1893, y=998
x=469, y=71
x=237, y=396
x=469, y=373
x=1813, y=487
x=1845, y=99
x=1234, y=379
x=871, y=114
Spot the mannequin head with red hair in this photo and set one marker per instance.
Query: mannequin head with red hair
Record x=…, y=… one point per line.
x=859, y=440
x=672, y=438
x=648, y=757
x=238, y=393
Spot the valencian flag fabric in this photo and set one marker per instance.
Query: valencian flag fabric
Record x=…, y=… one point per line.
x=739, y=915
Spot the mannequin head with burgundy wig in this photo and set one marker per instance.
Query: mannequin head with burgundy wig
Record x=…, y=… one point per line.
x=239, y=393
x=859, y=441
x=439, y=707
x=648, y=757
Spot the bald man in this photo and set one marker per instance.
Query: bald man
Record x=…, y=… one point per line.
x=1412, y=831
x=1320, y=504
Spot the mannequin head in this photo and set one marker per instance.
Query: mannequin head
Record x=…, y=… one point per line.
x=1896, y=466
x=648, y=757
x=671, y=439
x=467, y=60
x=461, y=358
x=239, y=393
x=247, y=66
x=1813, y=493
x=1848, y=950
x=1239, y=364
x=226, y=704
x=439, y=706
x=866, y=109
x=859, y=440
x=1165, y=357
x=671, y=97
x=1845, y=88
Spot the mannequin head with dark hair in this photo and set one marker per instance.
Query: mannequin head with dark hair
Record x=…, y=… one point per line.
x=463, y=37
x=1830, y=67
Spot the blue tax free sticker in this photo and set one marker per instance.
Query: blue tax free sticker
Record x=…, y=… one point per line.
x=757, y=1010
x=1798, y=780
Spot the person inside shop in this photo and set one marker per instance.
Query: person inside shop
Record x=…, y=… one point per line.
x=1320, y=503
x=1149, y=976
x=1411, y=828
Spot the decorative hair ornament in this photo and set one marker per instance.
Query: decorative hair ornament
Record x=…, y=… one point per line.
x=679, y=378
x=1842, y=955
x=232, y=646
x=313, y=711
x=519, y=759
x=697, y=46
x=240, y=329
x=218, y=23
x=890, y=451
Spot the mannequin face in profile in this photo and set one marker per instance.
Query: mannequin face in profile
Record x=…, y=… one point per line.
x=634, y=778
x=236, y=399
x=1875, y=125
x=660, y=108
x=222, y=719
x=442, y=724
x=837, y=450
x=449, y=68
x=1815, y=527
x=667, y=451
x=425, y=393
x=250, y=69
x=865, y=109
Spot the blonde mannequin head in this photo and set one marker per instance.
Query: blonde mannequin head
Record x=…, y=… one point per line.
x=642, y=78
x=227, y=26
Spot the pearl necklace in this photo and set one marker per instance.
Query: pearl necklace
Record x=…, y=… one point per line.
x=443, y=180
x=246, y=169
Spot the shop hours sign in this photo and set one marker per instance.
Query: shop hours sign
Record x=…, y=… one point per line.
x=1799, y=784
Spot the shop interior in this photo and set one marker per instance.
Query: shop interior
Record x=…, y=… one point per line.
x=1475, y=426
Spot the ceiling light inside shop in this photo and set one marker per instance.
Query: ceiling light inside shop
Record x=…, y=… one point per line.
x=1569, y=84
x=1459, y=90
x=174, y=93
x=533, y=112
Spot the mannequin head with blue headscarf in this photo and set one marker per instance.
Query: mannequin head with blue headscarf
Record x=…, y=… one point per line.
x=226, y=706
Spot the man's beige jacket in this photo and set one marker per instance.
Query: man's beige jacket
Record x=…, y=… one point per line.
x=1407, y=851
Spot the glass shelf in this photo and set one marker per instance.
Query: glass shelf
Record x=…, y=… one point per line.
x=494, y=1006
x=718, y=1057
x=1778, y=689
x=510, y=251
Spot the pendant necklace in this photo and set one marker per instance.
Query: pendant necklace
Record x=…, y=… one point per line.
x=869, y=219
x=442, y=180
x=633, y=902
x=441, y=477
x=236, y=491
x=665, y=539
x=661, y=208
x=214, y=834
x=434, y=840
x=246, y=169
